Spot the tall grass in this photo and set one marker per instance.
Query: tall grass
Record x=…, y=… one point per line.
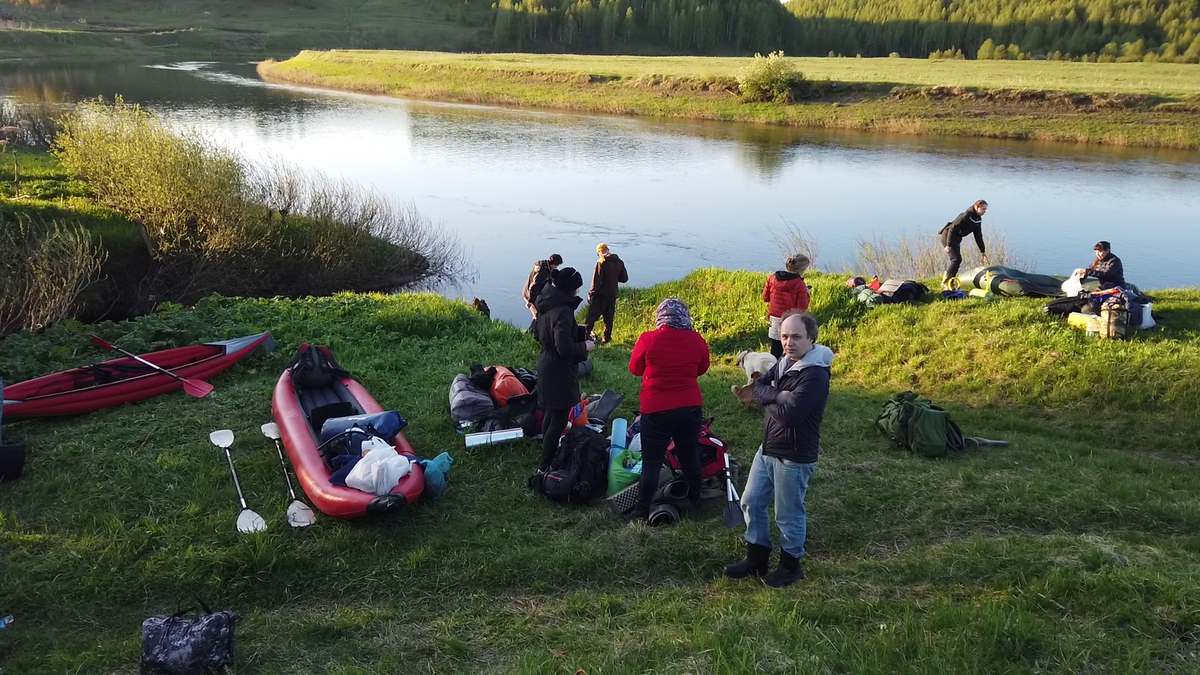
x=214, y=223
x=44, y=267
x=921, y=257
x=31, y=123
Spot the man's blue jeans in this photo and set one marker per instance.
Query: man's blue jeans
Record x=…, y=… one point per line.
x=785, y=482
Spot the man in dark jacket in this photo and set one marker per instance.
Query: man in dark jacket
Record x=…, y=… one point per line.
x=602, y=298
x=562, y=349
x=538, y=278
x=951, y=236
x=793, y=397
x=1107, y=267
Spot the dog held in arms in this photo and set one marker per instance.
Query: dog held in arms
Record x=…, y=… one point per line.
x=755, y=364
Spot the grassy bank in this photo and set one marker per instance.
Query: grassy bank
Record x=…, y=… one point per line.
x=1136, y=104
x=1073, y=550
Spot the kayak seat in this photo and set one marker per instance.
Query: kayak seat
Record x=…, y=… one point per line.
x=323, y=403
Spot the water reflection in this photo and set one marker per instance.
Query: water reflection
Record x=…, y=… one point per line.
x=670, y=196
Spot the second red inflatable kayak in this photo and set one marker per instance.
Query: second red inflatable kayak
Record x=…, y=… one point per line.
x=300, y=411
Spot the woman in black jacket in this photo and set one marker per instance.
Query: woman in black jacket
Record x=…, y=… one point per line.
x=562, y=350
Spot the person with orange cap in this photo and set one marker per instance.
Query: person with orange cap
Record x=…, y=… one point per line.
x=602, y=298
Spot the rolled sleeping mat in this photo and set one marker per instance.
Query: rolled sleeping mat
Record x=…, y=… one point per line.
x=673, y=491
x=585, y=368
x=663, y=515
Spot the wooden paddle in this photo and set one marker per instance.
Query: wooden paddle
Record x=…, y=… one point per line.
x=197, y=388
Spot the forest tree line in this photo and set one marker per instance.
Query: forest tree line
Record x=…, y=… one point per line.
x=1102, y=30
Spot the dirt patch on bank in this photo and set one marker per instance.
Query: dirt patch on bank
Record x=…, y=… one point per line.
x=1047, y=99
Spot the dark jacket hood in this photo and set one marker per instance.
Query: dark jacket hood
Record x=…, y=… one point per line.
x=783, y=275
x=552, y=296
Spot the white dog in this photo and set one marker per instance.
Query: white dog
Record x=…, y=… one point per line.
x=755, y=364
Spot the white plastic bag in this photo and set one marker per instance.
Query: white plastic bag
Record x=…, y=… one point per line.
x=380, y=468
x=1073, y=286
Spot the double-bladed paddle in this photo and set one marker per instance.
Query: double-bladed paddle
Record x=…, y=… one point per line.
x=248, y=521
x=298, y=513
x=197, y=388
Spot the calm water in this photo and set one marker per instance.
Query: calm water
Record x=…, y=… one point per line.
x=670, y=197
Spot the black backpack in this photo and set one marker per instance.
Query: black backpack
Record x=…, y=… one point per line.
x=1065, y=306
x=897, y=291
x=314, y=367
x=579, y=472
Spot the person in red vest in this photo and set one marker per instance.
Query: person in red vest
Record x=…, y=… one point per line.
x=785, y=292
x=669, y=359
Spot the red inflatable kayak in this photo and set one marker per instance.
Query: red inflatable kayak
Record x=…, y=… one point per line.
x=296, y=412
x=124, y=380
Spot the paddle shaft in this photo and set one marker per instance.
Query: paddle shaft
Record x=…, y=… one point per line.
x=279, y=449
x=187, y=384
x=236, y=484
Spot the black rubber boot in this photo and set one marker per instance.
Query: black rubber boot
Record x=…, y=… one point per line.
x=788, y=572
x=754, y=564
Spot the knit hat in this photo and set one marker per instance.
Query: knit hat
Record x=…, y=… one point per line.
x=797, y=264
x=566, y=279
x=672, y=312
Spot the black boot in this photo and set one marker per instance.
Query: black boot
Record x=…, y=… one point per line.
x=755, y=563
x=788, y=572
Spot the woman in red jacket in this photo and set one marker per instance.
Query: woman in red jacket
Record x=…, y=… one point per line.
x=785, y=291
x=669, y=359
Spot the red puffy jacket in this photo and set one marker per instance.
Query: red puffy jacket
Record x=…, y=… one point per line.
x=669, y=360
x=785, y=291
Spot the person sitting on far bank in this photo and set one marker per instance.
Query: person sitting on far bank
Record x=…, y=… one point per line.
x=562, y=350
x=538, y=278
x=793, y=397
x=1107, y=268
x=602, y=298
x=785, y=292
x=669, y=359
x=951, y=236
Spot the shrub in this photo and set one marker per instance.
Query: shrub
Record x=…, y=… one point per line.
x=44, y=267
x=213, y=223
x=769, y=79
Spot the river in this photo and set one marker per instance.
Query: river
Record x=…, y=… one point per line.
x=669, y=196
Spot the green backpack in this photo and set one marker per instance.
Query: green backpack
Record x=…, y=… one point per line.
x=919, y=425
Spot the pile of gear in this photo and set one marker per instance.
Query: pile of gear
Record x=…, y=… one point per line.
x=1111, y=313
x=889, y=292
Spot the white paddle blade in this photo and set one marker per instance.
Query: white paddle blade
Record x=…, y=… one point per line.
x=222, y=438
x=249, y=521
x=271, y=431
x=299, y=515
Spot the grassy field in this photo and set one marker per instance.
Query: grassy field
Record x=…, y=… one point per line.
x=214, y=29
x=1077, y=549
x=1151, y=105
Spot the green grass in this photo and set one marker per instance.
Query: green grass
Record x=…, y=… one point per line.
x=1163, y=115
x=1073, y=550
x=208, y=29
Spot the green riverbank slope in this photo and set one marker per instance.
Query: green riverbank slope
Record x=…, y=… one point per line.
x=1135, y=104
x=1077, y=549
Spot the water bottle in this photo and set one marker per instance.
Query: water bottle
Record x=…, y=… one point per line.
x=617, y=440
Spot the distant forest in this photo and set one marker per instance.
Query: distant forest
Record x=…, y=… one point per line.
x=1102, y=30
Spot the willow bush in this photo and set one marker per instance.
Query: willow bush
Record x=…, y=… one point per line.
x=212, y=222
x=44, y=268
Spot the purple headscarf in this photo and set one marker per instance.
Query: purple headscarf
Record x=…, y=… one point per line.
x=672, y=312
